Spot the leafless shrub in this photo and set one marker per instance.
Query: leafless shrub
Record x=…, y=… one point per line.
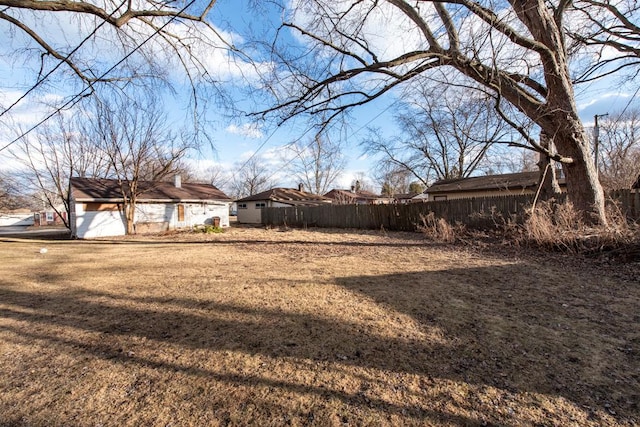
x=438, y=229
x=560, y=226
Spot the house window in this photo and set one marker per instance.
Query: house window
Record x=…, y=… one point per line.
x=261, y=205
x=242, y=206
x=180, y=213
x=49, y=216
x=439, y=198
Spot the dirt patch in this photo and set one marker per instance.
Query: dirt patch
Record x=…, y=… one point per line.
x=319, y=327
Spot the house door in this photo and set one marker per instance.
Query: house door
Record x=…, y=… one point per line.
x=181, y=217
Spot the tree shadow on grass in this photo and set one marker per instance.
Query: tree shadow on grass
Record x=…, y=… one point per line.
x=510, y=327
x=520, y=328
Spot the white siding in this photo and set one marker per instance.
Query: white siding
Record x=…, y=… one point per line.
x=155, y=212
x=252, y=214
x=16, y=219
x=89, y=225
x=112, y=223
x=199, y=214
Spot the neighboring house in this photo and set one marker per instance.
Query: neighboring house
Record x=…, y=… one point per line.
x=22, y=217
x=49, y=218
x=97, y=207
x=355, y=197
x=250, y=208
x=486, y=186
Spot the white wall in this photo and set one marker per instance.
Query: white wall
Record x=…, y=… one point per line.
x=156, y=212
x=16, y=219
x=253, y=215
x=112, y=223
x=98, y=224
x=198, y=214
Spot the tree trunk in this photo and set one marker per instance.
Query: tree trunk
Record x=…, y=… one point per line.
x=130, y=227
x=558, y=115
x=583, y=186
x=129, y=214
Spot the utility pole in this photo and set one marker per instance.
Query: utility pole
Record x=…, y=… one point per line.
x=596, y=139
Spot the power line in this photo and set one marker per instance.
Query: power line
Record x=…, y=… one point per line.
x=630, y=101
x=60, y=62
x=76, y=98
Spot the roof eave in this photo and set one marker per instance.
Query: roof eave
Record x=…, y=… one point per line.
x=120, y=200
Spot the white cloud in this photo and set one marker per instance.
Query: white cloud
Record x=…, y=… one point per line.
x=248, y=130
x=607, y=96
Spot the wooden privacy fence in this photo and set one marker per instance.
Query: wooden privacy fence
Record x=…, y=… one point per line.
x=628, y=202
x=475, y=212
x=480, y=212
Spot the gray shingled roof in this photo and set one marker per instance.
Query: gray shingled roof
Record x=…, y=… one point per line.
x=95, y=189
x=289, y=196
x=512, y=181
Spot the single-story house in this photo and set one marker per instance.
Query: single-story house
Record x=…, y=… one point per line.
x=49, y=218
x=250, y=208
x=97, y=207
x=355, y=197
x=486, y=186
x=21, y=217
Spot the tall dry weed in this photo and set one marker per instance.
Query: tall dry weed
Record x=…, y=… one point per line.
x=561, y=226
x=438, y=229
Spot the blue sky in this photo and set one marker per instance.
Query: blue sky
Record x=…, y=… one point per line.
x=237, y=140
x=605, y=96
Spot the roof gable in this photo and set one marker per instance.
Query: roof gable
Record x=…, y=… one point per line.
x=100, y=189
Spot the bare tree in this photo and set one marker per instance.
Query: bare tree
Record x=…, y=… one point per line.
x=252, y=178
x=12, y=194
x=213, y=175
x=446, y=133
x=110, y=27
x=619, y=150
x=317, y=163
x=361, y=182
x=604, y=27
x=56, y=152
x=72, y=49
x=392, y=179
x=515, y=50
x=133, y=135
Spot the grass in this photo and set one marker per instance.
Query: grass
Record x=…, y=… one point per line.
x=264, y=327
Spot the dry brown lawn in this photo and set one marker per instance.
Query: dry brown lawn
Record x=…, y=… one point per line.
x=320, y=327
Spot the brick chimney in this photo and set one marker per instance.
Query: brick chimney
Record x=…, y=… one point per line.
x=301, y=187
x=177, y=181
